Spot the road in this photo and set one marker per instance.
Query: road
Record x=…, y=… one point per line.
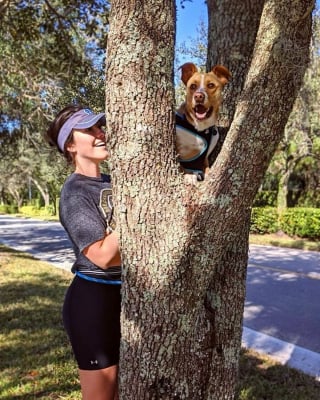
x=283, y=293
x=282, y=307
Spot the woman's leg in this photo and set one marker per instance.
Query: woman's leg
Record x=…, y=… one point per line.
x=101, y=384
x=91, y=315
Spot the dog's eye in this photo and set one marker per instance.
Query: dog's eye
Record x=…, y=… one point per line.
x=211, y=85
x=193, y=86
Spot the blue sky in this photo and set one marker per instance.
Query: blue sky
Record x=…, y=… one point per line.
x=188, y=19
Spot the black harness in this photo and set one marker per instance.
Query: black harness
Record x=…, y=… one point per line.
x=195, y=164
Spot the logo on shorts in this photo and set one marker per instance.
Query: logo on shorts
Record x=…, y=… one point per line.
x=95, y=362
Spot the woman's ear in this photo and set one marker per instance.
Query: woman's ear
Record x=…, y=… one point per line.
x=71, y=148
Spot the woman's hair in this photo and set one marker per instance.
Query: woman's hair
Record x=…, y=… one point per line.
x=55, y=126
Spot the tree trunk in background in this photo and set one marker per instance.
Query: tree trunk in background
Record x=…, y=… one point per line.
x=185, y=247
x=232, y=31
x=283, y=190
x=43, y=191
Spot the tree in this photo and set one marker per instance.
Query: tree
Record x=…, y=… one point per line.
x=185, y=247
x=296, y=161
x=294, y=170
x=47, y=51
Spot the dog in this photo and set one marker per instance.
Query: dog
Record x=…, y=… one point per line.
x=196, y=118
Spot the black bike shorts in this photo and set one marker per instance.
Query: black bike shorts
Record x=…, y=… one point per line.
x=91, y=317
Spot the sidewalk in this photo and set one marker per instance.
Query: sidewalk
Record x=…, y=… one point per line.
x=283, y=352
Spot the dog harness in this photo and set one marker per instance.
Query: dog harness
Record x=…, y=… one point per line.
x=201, y=140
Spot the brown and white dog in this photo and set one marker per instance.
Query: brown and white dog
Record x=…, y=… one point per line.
x=196, y=118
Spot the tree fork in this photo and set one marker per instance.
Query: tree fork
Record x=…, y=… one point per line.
x=185, y=248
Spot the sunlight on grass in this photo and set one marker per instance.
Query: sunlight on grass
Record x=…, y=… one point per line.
x=35, y=357
x=261, y=378
x=281, y=240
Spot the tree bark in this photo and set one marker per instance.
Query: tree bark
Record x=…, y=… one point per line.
x=185, y=247
x=232, y=31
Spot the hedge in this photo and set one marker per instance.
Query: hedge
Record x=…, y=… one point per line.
x=33, y=211
x=301, y=222
x=297, y=221
x=8, y=209
x=28, y=211
x=264, y=220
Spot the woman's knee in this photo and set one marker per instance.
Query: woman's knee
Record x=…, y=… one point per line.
x=101, y=384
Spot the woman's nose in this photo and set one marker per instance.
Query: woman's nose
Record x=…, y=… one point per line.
x=100, y=133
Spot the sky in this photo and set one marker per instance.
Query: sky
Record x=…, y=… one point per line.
x=188, y=19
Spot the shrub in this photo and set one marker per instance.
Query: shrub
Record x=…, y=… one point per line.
x=4, y=209
x=34, y=211
x=29, y=210
x=8, y=208
x=301, y=222
x=265, y=198
x=47, y=211
x=264, y=220
x=311, y=199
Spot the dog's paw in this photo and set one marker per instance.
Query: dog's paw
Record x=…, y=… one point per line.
x=190, y=179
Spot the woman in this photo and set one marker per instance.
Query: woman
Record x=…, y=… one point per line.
x=91, y=311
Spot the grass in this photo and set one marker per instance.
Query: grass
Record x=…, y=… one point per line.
x=261, y=378
x=35, y=357
x=282, y=240
x=36, y=361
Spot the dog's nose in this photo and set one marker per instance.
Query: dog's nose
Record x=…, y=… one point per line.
x=199, y=97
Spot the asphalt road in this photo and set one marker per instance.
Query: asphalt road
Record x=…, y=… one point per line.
x=283, y=293
x=282, y=308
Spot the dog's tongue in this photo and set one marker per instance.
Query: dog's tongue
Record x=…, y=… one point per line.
x=201, y=111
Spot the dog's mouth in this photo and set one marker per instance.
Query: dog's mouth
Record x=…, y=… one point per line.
x=201, y=112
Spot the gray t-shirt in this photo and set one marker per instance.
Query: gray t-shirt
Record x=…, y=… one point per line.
x=85, y=207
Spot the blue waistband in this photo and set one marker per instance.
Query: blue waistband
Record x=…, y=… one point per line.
x=97, y=280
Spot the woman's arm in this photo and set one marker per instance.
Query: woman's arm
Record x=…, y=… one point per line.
x=104, y=253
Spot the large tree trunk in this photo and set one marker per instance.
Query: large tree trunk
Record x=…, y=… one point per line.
x=185, y=247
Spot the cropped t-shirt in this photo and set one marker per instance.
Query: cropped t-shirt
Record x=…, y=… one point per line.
x=85, y=207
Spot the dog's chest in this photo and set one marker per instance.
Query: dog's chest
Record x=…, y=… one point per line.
x=191, y=144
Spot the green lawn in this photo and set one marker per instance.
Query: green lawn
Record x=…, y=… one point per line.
x=281, y=240
x=35, y=357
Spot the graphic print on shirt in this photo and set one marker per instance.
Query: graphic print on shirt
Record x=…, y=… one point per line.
x=106, y=207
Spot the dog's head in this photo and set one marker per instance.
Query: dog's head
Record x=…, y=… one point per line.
x=203, y=97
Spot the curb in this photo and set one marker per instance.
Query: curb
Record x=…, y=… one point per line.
x=283, y=352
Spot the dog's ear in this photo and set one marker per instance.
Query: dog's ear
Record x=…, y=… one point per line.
x=187, y=70
x=223, y=74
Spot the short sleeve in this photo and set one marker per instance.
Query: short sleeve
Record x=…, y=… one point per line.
x=82, y=220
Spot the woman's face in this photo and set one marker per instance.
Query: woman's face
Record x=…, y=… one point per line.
x=89, y=144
